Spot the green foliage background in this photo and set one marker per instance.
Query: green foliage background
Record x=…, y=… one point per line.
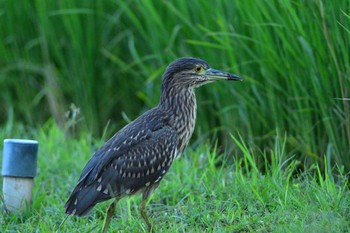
x=107, y=57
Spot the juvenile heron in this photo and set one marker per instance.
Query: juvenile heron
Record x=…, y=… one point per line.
x=137, y=157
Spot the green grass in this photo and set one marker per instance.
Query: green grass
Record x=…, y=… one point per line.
x=197, y=194
x=107, y=58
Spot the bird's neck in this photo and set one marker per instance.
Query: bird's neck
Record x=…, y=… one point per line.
x=181, y=106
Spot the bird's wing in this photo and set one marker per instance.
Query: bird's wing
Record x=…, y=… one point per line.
x=118, y=172
x=134, y=133
x=115, y=147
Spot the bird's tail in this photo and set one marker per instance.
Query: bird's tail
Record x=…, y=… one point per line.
x=83, y=199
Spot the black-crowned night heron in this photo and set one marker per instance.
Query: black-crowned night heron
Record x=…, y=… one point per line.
x=137, y=157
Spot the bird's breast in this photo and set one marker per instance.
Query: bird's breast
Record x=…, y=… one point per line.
x=184, y=121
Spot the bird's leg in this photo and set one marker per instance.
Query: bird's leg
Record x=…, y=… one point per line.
x=109, y=215
x=143, y=212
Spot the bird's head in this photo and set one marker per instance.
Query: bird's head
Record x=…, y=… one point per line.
x=192, y=72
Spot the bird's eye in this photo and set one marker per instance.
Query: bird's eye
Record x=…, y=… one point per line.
x=198, y=69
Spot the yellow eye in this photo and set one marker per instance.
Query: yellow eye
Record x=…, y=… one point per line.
x=198, y=69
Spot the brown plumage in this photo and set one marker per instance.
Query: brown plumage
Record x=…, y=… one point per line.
x=137, y=157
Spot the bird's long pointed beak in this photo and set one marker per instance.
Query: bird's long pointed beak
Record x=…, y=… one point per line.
x=214, y=74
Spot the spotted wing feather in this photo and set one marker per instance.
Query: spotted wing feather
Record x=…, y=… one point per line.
x=116, y=173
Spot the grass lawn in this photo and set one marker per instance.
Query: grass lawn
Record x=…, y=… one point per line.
x=195, y=196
